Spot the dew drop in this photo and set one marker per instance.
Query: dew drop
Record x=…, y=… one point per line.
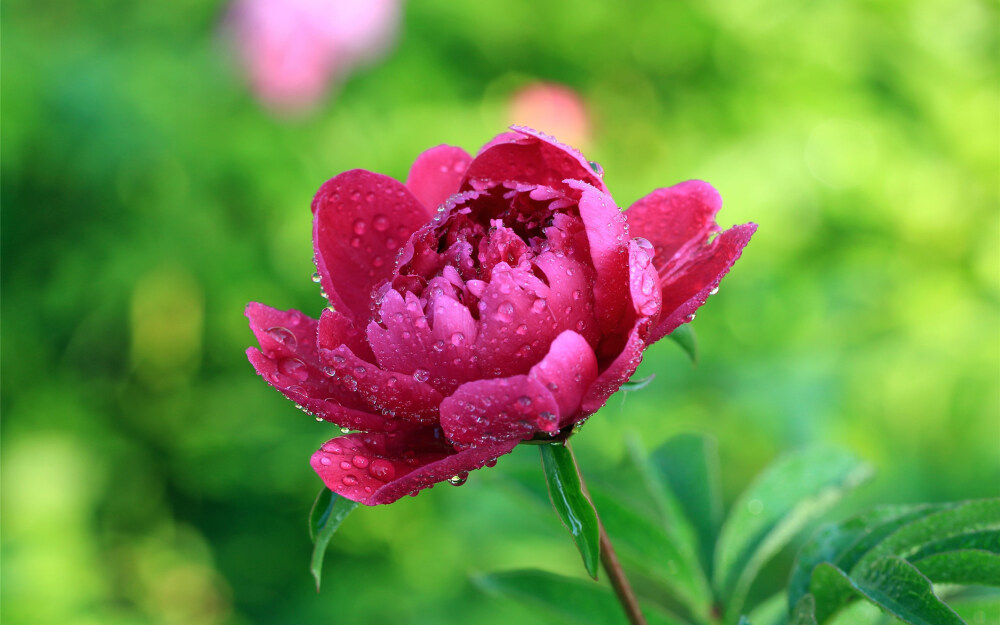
x=283, y=336
x=505, y=312
x=349, y=480
x=521, y=329
x=325, y=460
x=381, y=469
x=344, y=430
x=359, y=461
x=421, y=375
x=345, y=465
x=359, y=226
x=316, y=277
x=457, y=338
x=458, y=480
x=293, y=367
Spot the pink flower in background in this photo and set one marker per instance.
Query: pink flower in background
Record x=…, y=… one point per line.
x=293, y=50
x=557, y=108
x=487, y=301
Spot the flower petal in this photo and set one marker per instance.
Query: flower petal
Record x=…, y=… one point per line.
x=618, y=372
x=501, y=409
x=436, y=175
x=690, y=283
x=336, y=329
x=381, y=468
x=567, y=371
x=607, y=233
x=675, y=219
x=361, y=220
x=529, y=157
x=289, y=361
x=384, y=392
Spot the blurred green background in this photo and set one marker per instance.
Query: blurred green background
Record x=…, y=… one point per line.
x=149, y=476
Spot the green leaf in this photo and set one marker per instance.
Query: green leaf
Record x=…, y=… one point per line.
x=835, y=541
x=643, y=543
x=574, y=508
x=804, y=612
x=576, y=601
x=689, y=465
x=636, y=385
x=878, y=533
x=967, y=566
x=909, y=540
x=677, y=528
x=319, y=512
x=684, y=336
x=779, y=503
x=891, y=583
x=771, y=611
x=323, y=525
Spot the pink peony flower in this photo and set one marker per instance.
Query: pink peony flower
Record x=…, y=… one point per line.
x=487, y=301
x=293, y=50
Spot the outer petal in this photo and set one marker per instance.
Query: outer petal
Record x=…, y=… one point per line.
x=618, y=372
x=336, y=329
x=501, y=409
x=607, y=233
x=385, y=392
x=690, y=284
x=529, y=157
x=436, y=175
x=361, y=220
x=288, y=361
x=675, y=219
x=378, y=468
x=567, y=371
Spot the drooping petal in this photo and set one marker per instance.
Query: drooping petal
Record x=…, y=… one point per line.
x=607, y=233
x=501, y=409
x=361, y=220
x=567, y=371
x=618, y=372
x=305, y=385
x=529, y=157
x=675, y=219
x=691, y=282
x=384, y=392
x=380, y=468
x=289, y=361
x=436, y=175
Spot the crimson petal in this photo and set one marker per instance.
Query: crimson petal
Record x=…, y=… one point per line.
x=530, y=157
x=567, y=371
x=361, y=221
x=675, y=219
x=436, y=175
x=501, y=409
x=691, y=283
x=381, y=468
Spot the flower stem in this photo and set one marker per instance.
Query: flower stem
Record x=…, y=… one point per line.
x=609, y=559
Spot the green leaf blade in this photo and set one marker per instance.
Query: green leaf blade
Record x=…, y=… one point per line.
x=324, y=522
x=571, y=600
x=891, y=583
x=689, y=465
x=685, y=338
x=571, y=504
x=780, y=502
x=966, y=566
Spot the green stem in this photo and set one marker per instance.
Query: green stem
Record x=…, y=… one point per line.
x=609, y=560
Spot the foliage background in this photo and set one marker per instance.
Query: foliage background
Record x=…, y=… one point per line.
x=150, y=477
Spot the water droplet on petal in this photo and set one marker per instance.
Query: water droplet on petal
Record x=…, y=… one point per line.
x=359, y=226
x=421, y=375
x=316, y=277
x=283, y=336
x=381, y=469
x=359, y=461
x=349, y=480
x=505, y=312
x=458, y=480
x=293, y=367
x=325, y=460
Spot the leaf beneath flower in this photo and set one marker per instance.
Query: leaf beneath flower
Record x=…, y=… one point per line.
x=328, y=512
x=571, y=503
